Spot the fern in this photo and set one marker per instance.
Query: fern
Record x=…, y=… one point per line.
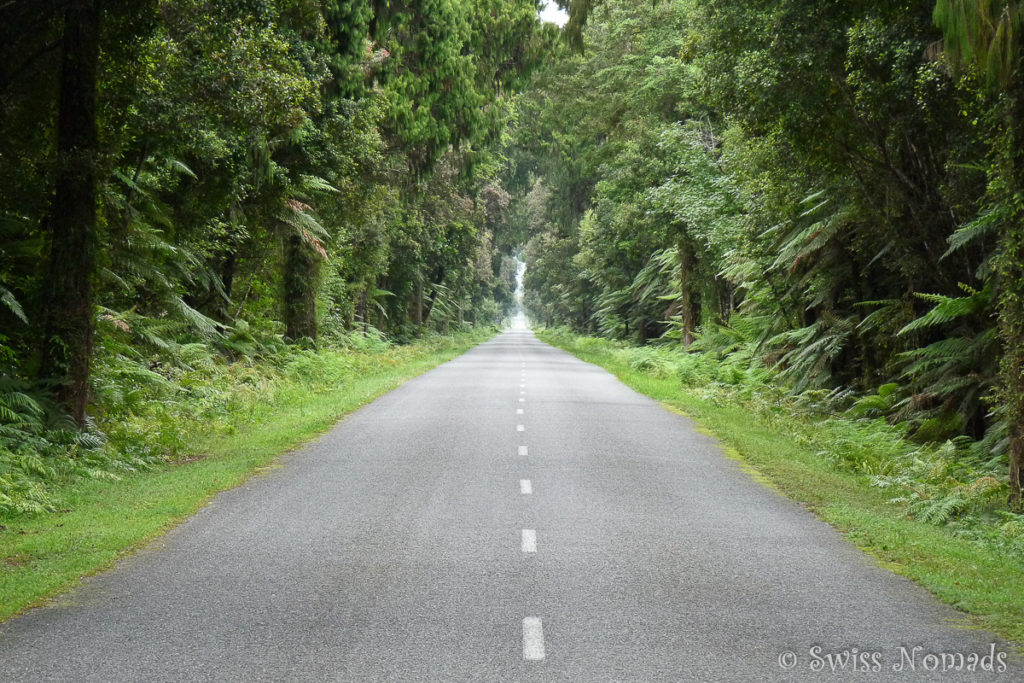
x=948, y=309
x=8, y=300
x=812, y=350
x=985, y=225
x=939, y=511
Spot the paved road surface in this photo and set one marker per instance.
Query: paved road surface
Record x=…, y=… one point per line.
x=514, y=515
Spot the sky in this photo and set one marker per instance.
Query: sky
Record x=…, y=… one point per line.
x=553, y=14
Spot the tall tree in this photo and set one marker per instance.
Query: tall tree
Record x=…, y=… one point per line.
x=988, y=33
x=68, y=296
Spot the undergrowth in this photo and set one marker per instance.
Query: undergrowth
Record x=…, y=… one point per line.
x=153, y=396
x=954, y=484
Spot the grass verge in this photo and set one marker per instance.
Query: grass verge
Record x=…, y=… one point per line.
x=977, y=578
x=101, y=520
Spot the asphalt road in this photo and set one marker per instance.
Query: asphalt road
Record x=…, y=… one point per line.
x=515, y=514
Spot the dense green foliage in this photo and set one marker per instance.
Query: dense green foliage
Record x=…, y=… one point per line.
x=958, y=540
x=827, y=195
x=934, y=482
x=815, y=189
x=189, y=188
x=226, y=422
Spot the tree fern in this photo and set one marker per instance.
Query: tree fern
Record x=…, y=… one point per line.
x=810, y=351
x=948, y=309
x=144, y=264
x=982, y=32
x=985, y=225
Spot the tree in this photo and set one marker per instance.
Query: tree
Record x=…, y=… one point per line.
x=68, y=297
x=184, y=169
x=797, y=168
x=988, y=33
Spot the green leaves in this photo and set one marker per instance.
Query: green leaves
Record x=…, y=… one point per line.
x=8, y=300
x=822, y=168
x=948, y=309
x=982, y=32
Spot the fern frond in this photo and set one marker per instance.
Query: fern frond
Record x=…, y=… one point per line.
x=948, y=309
x=983, y=226
x=7, y=299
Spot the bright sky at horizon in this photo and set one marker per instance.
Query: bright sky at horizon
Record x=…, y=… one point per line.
x=552, y=13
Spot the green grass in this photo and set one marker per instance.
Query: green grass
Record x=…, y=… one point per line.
x=978, y=578
x=100, y=520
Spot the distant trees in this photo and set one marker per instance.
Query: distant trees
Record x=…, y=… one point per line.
x=813, y=183
x=172, y=169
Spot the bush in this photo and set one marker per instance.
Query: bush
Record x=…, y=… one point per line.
x=953, y=483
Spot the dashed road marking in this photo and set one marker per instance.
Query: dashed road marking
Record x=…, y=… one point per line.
x=520, y=428
x=529, y=541
x=533, y=639
x=525, y=487
x=523, y=450
x=519, y=411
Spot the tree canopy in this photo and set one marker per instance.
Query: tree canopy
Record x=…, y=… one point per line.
x=827, y=188
x=830, y=190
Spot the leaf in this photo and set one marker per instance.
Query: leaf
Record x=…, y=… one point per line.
x=980, y=227
x=312, y=183
x=180, y=166
x=12, y=304
x=947, y=309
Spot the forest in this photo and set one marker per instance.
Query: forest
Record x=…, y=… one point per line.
x=823, y=197
x=193, y=185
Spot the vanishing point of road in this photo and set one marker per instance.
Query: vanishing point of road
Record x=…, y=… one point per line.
x=513, y=515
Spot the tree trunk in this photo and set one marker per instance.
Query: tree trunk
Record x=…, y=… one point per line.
x=1011, y=327
x=362, y=310
x=725, y=295
x=227, y=272
x=417, y=303
x=687, y=300
x=301, y=273
x=67, y=293
x=1011, y=292
x=350, y=315
x=432, y=299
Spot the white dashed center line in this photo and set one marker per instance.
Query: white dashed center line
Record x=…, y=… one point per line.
x=519, y=411
x=522, y=400
x=525, y=487
x=533, y=639
x=523, y=451
x=529, y=541
x=520, y=428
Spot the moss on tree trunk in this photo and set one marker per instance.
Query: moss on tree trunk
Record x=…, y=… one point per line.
x=1011, y=286
x=688, y=300
x=301, y=273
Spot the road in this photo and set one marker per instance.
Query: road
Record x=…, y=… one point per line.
x=513, y=515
